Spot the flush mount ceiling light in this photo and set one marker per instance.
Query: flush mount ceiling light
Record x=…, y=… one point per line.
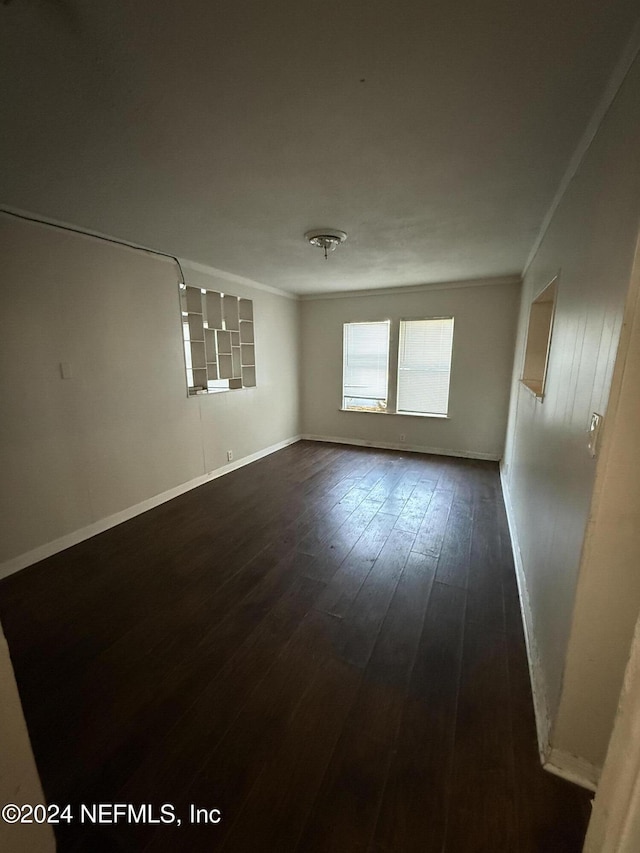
x=326, y=238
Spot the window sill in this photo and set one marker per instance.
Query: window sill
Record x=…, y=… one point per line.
x=400, y=414
x=533, y=387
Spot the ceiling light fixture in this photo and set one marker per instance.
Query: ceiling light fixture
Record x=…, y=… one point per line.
x=326, y=238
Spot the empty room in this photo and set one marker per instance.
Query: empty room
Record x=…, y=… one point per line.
x=319, y=437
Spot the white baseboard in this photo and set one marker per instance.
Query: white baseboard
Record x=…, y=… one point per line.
x=538, y=686
x=573, y=768
x=15, y=564
x=555, y=760
x=412, y=448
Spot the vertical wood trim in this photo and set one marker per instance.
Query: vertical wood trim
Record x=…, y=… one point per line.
x=615, y=825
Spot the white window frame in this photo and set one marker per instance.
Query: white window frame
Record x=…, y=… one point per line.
x=393, y=368
x=389, y=348
x=416, y=413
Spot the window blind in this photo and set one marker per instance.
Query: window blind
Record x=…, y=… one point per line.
x=365, y=365
x=424, y=365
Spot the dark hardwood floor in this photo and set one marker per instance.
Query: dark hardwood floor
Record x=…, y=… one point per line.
x=325, y=645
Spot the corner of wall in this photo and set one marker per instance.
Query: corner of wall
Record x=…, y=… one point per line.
x=557, y=761
x=16, y=564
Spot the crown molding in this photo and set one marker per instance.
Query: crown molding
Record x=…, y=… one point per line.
x=413, y=288
x=617, y=78
x=236, y=279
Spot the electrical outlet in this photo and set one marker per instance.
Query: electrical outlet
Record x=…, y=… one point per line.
x=229, y=455
x=403, y=437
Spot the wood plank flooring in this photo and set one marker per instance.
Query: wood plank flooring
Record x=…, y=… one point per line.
x=325, y=645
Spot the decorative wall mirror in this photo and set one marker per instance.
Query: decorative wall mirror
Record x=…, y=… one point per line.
x=218, y=337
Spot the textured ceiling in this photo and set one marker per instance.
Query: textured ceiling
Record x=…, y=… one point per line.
x=435, y=134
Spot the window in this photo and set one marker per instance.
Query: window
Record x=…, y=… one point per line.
x=421, y=384
x=424, y=366
x=365, y=375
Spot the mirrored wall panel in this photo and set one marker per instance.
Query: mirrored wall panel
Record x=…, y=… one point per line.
x=218, y=337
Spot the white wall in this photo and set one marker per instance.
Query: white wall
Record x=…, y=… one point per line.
x=608, y=593
x=121, y=430
x=484, y=332
x=548, y=472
